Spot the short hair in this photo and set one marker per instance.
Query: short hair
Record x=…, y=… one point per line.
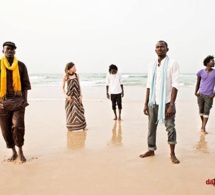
x=114, y=67
x=207, y=60
x=164, y=43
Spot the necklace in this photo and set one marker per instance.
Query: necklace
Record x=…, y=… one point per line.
x=71, y=74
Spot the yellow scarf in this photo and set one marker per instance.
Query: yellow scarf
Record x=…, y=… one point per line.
x=16, y=77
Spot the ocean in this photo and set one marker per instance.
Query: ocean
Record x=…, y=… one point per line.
x=98, y=79
x=48, y=86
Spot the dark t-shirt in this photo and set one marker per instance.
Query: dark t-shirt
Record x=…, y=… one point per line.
x=25, y=82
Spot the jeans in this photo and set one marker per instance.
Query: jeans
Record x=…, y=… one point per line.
x=152, y=127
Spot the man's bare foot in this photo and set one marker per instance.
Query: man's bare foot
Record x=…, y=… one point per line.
x=22, y=157
x=174, y=159
x=119, y=119
x=203, y=131
x=148, y=153
x=13, y=157
x=115, y=118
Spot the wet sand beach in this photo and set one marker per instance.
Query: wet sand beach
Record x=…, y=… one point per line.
x=105, y=159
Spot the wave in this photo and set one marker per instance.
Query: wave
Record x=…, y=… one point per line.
x=93, y=79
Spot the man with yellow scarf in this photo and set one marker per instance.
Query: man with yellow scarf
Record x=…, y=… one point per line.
x=14, y=83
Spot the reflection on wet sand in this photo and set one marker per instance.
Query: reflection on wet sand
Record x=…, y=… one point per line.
x=116, y=133
x=76, y=139
x=202, y=144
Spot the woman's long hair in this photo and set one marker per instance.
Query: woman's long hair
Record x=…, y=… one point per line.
x=68, y=66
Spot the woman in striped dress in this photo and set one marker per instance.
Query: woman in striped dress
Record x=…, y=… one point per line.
x=75, y=119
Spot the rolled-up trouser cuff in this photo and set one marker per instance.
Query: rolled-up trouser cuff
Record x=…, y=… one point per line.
x=152, y=148
x=10, y=146
x=173, y=143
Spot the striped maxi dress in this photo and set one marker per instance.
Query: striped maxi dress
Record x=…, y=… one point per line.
x=75, y=119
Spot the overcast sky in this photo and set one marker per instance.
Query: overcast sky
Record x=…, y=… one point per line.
x=96, y=33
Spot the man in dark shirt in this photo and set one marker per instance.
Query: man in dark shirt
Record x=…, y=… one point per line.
x=14, y=83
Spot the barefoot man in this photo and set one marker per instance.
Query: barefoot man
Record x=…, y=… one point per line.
x=14, y=83
x=114, y=89
x=161, y=92
x=205, y=90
